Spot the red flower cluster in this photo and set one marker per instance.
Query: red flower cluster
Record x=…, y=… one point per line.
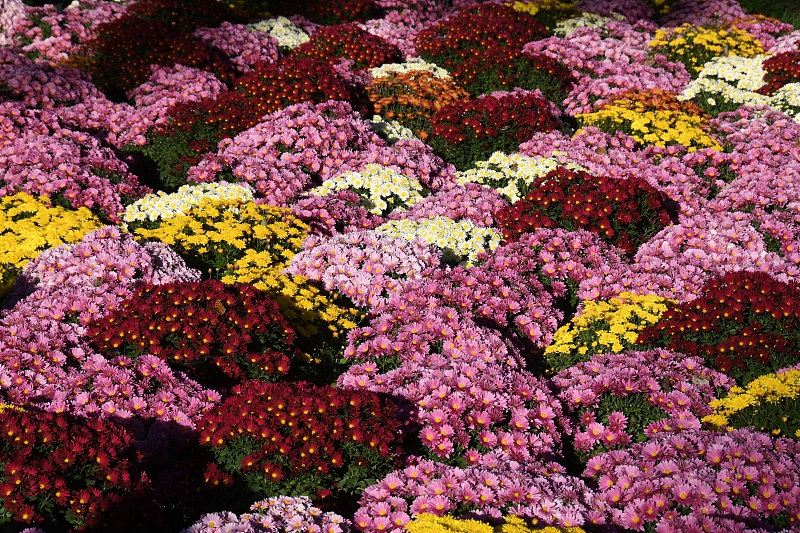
x=125, y=48
x=203, y=328
x=625, y=213
x=74, y=473
x=476, y=31
x=296, y=438
x=780, y=69
x=348, y=41
x=185, y=15
x=746, y=324
x=499, y=69
x=466, y=132
x=331, y=12
x=197, y=128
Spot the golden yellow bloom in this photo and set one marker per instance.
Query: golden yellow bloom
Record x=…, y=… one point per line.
x=694, y=46
x=29, y=226
x=254, y=244
x=604, y=327
x=428, y=523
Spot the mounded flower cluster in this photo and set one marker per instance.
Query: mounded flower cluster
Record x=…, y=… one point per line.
x=350, y=42
x=470, y=201
x=779, y=70
x=745, y=324
x=551, y=13
x=195, y=128
x=296, y=439
x=618, y=399
x=335, y=213
x=48, y=362
x=511, y=175
x=427, y=522
x=30, y=226
x=707, y=480
x=253, y=245
x=603, y=326
x=368, y=267
x=206, y=329
x=282, y=30
x=274, y=515
x=244, y=48
x=467, y=132
x=768, y=403
x=332, y=12
x=72, y=473
x=476, y=31
x=459, y=240
x=499, y=68
x=413, y=97
x=694, y=46
x=625, y=213
x=155, y=207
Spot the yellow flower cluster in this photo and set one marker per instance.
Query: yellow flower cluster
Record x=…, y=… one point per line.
x=460, y=241
x=604, y=327
x=776, y=393
x=548, y=12
x=511, y=175
x=694, y=46
x=412, y=65
x=428, y=523
x=382, y=189
x=254, y=245
x=28, y=226
x=4, y=406
x=658, y=127
x=159, y=206
x=285, y=32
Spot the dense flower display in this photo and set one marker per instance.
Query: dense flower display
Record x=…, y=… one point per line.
x=386, y=266
x=744, y=325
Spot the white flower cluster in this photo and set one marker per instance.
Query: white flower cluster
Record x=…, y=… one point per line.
x=511, y=175
x=392, y=131
x=585, y=20
x=287, y=34
x=735, y=79
x=411, y=65
x=787, y=99
x=154, y=207
x=382, y=189
x=460, y=241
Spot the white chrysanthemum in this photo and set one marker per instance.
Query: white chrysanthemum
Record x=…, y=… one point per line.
x=161, y=206
x=411, y=65
x=787, y=99
x=731, y=79
x=585, y=20
x=393, y=131
x=285, y=32
x=460, y=241
x=511, y=175
x=381, y=189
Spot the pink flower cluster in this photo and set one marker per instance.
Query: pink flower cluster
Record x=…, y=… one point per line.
x=495, y=487
x=166, y=88
x=72, y=165
x=243, y=47
x=472, y=201
x=305, y=144
x=368, y=267
x=703, y=13
x=716, y=482
x=47, y=363
x=338, y=212
x=678, y=385
x=12, y=14
x=274, y=515
x=69, y=29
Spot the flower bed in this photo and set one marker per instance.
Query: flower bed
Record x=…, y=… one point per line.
x=391, y=266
